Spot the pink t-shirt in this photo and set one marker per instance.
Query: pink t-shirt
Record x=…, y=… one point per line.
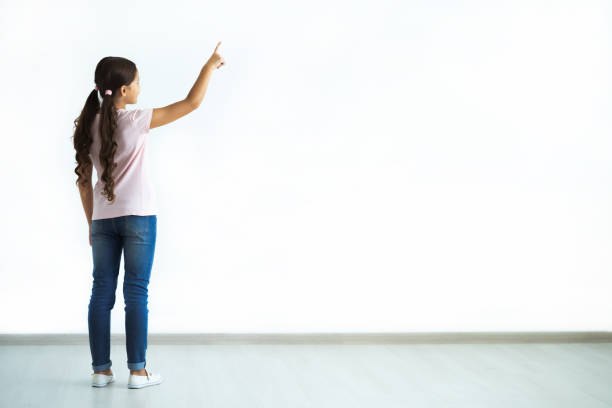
x=134, y=192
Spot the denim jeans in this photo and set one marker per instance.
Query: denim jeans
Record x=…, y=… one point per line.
x=135, y=235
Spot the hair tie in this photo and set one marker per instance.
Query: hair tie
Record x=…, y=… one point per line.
x=108, y=92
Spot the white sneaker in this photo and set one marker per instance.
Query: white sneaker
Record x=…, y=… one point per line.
x=139, y=381
x=101, y=380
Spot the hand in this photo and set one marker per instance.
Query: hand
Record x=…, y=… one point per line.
x=216, y=60
x=89, y=234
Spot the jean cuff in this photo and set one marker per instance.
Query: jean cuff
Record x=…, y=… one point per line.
x=137, y=366
x=102, y=367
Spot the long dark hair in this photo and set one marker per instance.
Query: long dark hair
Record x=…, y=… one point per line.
x=111, y=73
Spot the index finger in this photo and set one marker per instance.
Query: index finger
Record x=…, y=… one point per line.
x=218, y=44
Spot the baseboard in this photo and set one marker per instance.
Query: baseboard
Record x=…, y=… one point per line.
x=320, y=338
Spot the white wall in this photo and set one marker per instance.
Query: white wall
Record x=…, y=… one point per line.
x=355, y=166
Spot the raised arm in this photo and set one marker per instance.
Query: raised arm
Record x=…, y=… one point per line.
x=170, y=113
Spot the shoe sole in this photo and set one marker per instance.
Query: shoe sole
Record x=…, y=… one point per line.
x=144, y=385
x=103, y=384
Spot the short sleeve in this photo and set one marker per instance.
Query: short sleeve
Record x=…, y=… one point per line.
x=141, y=119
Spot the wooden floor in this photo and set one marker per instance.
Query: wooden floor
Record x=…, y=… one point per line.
x=577, y=375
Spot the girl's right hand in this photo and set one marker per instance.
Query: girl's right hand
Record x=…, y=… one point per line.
x=216, y=60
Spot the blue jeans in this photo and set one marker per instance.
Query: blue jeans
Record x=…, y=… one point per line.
x=135, y=234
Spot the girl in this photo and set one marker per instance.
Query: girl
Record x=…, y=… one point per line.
x=121, y=209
